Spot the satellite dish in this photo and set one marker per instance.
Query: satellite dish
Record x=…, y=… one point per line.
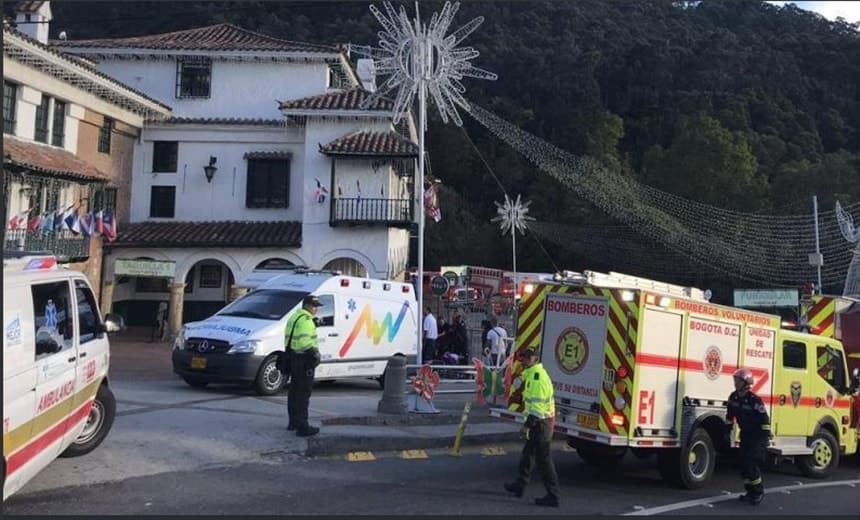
x=63, y=35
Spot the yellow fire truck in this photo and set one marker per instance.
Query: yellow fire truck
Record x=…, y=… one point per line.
x=647, y=366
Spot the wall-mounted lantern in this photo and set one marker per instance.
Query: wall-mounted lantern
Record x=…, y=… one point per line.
x=210, y=169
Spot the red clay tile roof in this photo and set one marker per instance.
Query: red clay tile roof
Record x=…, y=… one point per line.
x=220, y=37
x=276, y=154
x=28, y=6
x=236, y=121
x=49, y=160
x=371, y=143
x=210, y=234
x=344, y=100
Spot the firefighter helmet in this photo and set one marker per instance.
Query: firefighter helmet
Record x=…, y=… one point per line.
x=745, y=375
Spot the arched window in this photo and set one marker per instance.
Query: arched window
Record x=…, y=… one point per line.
x=347, y=266
x=274, y=264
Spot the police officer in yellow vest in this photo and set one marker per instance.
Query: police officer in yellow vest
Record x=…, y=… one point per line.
x=300, y=340
x=540, y=417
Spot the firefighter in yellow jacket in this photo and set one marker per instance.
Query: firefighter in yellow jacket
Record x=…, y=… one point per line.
x=300, y=340
x=540, y=417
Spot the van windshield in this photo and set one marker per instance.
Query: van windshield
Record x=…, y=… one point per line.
x=264, y=304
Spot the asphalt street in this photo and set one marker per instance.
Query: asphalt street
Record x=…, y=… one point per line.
x=440, y=484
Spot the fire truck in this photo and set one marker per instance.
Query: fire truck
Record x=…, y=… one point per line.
x=644, y=366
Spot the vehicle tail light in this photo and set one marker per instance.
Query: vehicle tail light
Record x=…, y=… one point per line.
x=617, y=419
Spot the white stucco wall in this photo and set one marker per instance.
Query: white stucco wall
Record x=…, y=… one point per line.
x=224, y=197
x=247, y=90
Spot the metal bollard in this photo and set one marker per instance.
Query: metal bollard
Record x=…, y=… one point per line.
x=394, y=394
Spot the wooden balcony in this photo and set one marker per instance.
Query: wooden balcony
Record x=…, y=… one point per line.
x=62, y=243
x=370, y=212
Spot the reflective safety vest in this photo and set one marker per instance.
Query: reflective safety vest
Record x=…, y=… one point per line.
x=305, y=333
x=538, y=394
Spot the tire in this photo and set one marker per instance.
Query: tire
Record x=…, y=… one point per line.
x=692, y=465
x=98, y=424
x=825, y=456
x=269, y=379
x=195, y=382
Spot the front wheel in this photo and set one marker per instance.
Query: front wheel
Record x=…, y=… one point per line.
x=824, y=458
x=270, y=380
x=99, y=422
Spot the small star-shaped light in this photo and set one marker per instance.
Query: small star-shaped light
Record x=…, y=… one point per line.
x=410, y=53
x=512, y=215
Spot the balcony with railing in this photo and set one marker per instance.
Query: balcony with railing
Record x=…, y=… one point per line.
x=62, y=243
x=362, y=211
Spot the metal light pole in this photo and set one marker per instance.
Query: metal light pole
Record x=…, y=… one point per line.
x=406, y=51
x=513, y=216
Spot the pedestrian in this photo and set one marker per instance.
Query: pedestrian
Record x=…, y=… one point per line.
x=496, y=337
x=540, y=417
x=459, y=337
x=431, y=333
x=751, y=415
x=300, y=337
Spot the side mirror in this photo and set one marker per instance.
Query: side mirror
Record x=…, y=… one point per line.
x=114, y=323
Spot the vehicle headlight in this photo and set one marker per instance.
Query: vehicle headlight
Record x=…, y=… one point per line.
x=179, y=342
x=246, y=346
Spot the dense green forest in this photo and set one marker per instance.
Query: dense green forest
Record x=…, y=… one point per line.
x=738, y=104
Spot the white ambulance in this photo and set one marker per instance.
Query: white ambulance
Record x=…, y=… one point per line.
x=361, y=324
x=56, y=398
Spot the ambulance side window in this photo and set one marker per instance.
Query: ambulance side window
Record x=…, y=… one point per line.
x=54, y=330
x=88, y=318
x=793, y=354
x=831, y=366
x=325, y=314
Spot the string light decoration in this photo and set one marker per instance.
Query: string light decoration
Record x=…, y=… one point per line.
x=512, y=217
x=767, y=249
x=852, y=235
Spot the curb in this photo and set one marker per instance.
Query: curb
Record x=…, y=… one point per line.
x=323, y=446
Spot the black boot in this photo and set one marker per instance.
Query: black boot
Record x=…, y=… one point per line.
x=547, y=501
x=514, y=487
x=308, y=431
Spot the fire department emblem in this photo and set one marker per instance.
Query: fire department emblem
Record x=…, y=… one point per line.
x=796, y=390
x=571, y=350
x=829, y=398
x=713, y=363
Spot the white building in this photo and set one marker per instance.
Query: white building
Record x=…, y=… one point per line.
x=229, y=184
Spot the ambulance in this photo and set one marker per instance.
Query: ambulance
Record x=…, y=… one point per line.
x=361, y=324
x=56, y=397
x=643, y=366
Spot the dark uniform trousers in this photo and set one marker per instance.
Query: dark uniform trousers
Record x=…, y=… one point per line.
x=538, y=450
x=753, y=456
x=301, y=382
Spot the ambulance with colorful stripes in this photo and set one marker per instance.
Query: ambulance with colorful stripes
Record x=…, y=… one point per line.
x=56, y=398
x=644, y=366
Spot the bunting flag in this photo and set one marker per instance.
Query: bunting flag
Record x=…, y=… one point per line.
x=35, y=223
x=321, y=193
x=88, y=224
x=48, y=223
x=431, y=203
x=109, y=226
x=19, y=220
x=72, y=222
x=100, y=222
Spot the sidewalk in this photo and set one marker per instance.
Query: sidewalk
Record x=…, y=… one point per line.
x=345, y=411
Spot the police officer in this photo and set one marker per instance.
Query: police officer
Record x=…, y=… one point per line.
x=540, y=416
x=300, y=338
x=751, y=415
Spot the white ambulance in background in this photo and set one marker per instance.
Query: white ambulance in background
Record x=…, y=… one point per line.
x=56, y=398
x=361, y=324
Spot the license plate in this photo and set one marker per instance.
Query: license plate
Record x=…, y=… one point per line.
x=198, y=363
x=586, y=420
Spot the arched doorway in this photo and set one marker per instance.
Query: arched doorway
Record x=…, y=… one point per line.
x=138, y=298
x=274, y=264
x=347, y=266
x=207, y=289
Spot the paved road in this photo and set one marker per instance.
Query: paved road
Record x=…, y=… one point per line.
x=439, y=484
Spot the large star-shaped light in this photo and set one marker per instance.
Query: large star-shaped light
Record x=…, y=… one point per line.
x=512, y=215
x=410, y=53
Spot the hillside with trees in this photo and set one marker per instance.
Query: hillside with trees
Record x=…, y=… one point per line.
x=737, y=104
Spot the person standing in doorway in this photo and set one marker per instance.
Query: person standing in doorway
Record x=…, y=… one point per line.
x=540, y=418
x=300, y=337
x=431, y=333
